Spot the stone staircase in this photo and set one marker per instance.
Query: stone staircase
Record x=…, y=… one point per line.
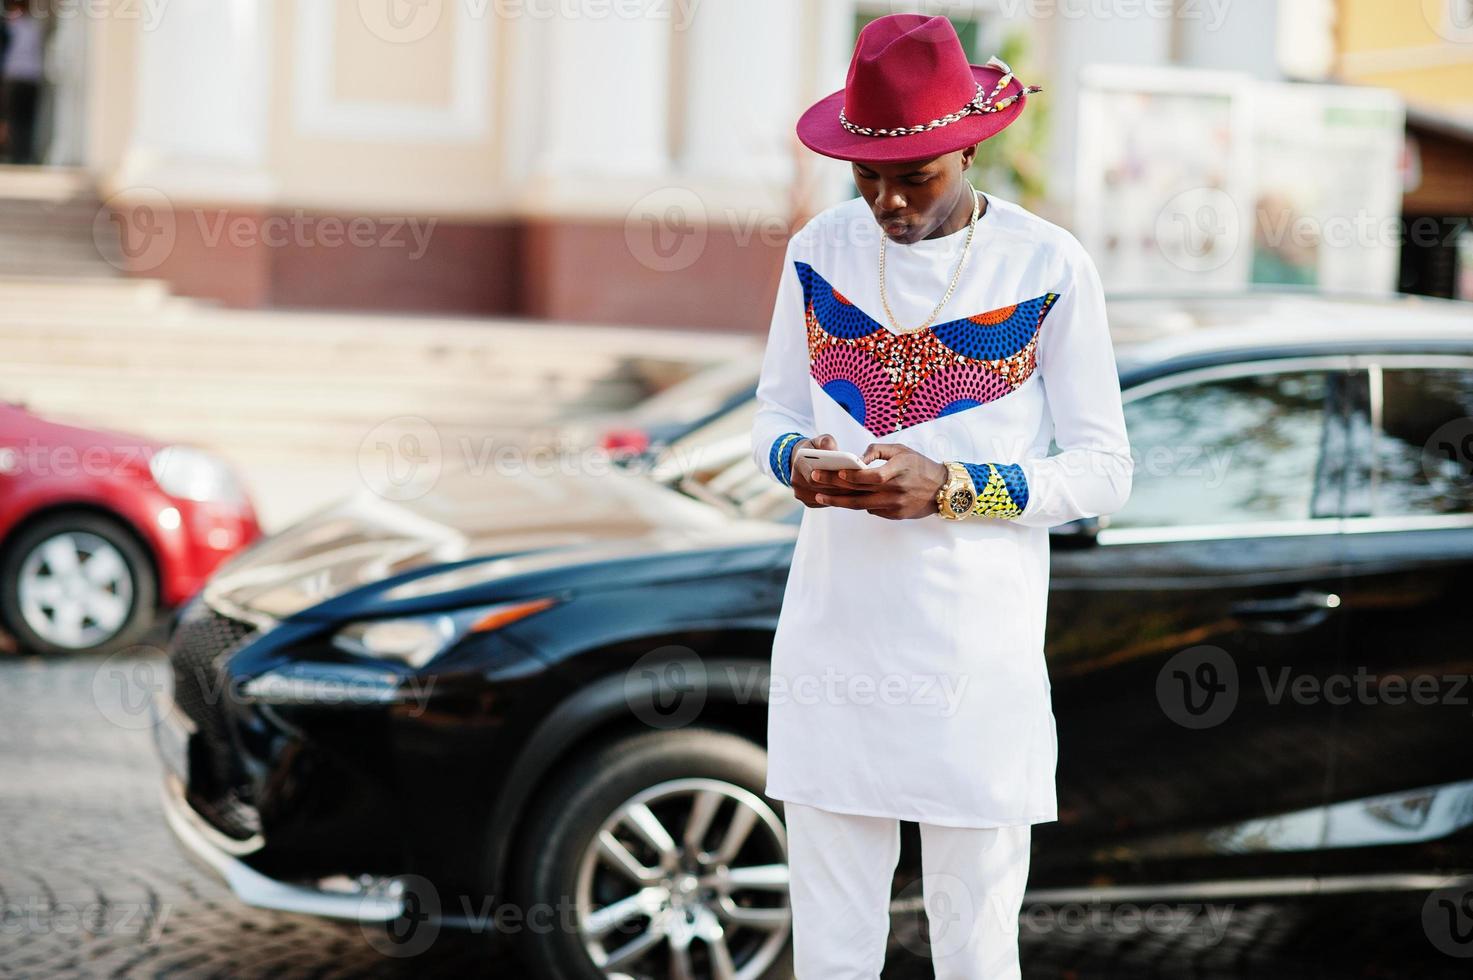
x=291, y=397
x=288, y=397
x=50, y=225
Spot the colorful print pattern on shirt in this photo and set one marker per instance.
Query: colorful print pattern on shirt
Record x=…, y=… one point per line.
x=888, y=381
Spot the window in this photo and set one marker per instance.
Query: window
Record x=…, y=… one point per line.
x=1229, y=451
x=1424, y=452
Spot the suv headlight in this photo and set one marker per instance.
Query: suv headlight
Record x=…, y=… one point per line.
x=193, y=474
x=416, y=640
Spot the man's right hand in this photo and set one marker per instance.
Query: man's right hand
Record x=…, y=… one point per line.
x=818, y=481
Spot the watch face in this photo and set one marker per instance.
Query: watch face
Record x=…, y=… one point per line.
x=961, y=500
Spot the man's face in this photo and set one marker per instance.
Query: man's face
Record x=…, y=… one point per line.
x=910, y=199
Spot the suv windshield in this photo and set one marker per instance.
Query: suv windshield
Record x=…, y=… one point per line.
x=713, y=463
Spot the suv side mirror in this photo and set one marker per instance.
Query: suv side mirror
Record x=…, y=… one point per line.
x=1076, y=534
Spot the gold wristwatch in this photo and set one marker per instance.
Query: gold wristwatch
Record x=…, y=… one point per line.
x=957, y=496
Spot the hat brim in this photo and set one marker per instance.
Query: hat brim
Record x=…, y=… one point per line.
x=819, y=129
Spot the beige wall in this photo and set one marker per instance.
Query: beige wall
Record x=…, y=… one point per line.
x=451, y=123
x=351, y=145
x=1412, y=47
x=112, y=53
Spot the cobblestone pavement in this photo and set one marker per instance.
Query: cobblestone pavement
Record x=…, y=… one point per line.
x=91, y=881
x=93, y=885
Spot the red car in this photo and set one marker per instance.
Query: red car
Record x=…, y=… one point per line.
x=100, y=530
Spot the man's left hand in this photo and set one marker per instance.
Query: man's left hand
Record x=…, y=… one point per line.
x=904, y=487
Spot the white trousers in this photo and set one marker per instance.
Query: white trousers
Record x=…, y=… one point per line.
x=841, y=866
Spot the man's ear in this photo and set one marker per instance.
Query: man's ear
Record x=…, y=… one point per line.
x=968, y=153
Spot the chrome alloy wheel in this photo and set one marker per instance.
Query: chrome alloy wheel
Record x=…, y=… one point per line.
x=75, y=590
x=686, y=860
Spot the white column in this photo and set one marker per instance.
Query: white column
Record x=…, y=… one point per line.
x=743, y=89
x=602, y=82
x=200, y=111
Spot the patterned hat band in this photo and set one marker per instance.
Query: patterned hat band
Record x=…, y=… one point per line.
x=980, y=103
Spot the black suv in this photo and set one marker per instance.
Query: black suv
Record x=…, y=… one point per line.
x=543, y=698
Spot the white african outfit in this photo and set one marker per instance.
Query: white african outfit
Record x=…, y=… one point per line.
x=908, y=674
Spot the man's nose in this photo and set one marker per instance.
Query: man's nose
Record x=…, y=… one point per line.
x=890, y=199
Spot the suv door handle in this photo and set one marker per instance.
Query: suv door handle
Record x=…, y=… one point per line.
x=1292, y=614
x=1306, y=601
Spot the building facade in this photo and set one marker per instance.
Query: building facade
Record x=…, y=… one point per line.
x=621, y=161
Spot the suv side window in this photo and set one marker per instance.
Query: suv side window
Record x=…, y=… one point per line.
x=1422, y=452
x=1230, y=450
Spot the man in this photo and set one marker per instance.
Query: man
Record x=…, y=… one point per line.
x=21, y=74
x=949, y=335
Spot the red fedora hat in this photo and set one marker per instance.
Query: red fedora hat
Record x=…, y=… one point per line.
x=911, y=94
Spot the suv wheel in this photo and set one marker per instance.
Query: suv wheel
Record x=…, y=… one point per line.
x=76, y=583
x=658, y=858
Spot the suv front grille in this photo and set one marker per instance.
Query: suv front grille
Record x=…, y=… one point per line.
x=201, y=642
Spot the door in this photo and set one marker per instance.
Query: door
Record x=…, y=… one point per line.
x=1180, y=633
x=1403, y=783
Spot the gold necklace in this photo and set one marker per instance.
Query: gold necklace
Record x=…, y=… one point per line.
x=955, y=276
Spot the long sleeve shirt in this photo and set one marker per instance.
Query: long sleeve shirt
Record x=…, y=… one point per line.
x=1019, y=358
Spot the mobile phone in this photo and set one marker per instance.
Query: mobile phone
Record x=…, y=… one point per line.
x=834, y=459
